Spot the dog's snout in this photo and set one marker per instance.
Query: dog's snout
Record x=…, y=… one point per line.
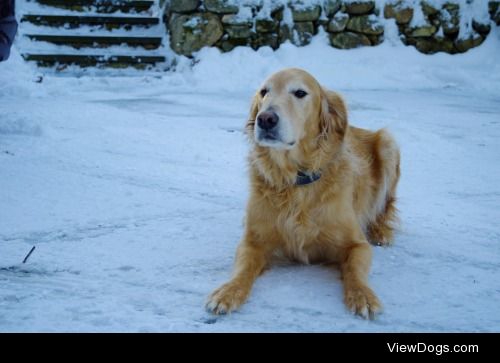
x=267, y=120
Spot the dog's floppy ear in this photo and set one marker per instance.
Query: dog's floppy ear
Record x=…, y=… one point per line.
x=254, y=110
x=333, y=117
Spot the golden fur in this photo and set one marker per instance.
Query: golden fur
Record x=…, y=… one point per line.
x=328, y=221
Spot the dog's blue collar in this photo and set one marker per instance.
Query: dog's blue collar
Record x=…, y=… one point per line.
x=307, y=178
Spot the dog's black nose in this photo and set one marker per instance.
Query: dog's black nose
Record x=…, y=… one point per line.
x=267, y=120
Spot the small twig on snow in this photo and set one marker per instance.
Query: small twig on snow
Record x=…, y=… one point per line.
x=29, y=254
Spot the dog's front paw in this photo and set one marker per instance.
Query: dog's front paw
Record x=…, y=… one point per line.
x=227, y=298
x=362, y=301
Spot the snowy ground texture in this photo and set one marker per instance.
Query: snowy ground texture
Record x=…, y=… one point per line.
x=133, y=191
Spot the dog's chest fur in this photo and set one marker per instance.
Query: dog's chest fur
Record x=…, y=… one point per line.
x=299, y=224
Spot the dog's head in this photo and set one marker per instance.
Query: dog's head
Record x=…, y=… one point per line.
x=291, y=108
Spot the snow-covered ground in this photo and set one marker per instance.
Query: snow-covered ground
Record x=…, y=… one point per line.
x=133, y=191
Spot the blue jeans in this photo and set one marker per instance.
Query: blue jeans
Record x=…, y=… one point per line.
x=8, y=29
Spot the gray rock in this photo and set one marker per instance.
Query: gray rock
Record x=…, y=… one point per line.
x=428, y=9
x=303, y=33
x=184, y=6
x=228, y=45
x=496, y=17
x=451, y=6
x=359, y=7
x=331, y=7
x=398, y=11
x=338, y=23
x=365, y=24
x=375, y=39
x=435, y=45
x=303, y=14
x=463, y=45
x=481, y=28
x=266, y=25
x=494, y=10
x=493, y=6
x=221, y=6
x=272, y=12
x=190, y=33
x=277, y=12
x=238, y=31
x=285, y=33
x=390, y=10
x=422, y=31
x=265, y=39
x=450, y=20
x=348, y=40
x=232, y=19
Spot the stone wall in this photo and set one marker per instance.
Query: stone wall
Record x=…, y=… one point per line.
x=441, y=29
x=225, y=24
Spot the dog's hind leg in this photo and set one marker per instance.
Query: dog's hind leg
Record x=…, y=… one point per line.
x=380, y=231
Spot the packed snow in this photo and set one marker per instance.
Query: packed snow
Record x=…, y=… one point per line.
x=133, y=191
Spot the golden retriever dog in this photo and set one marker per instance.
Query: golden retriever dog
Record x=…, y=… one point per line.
x=320, y=190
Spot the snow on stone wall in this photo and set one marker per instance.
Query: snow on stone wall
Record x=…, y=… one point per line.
x=452, y=26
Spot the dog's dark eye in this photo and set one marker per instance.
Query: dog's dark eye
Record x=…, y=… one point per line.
x=300, y=93
x=263, y=92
